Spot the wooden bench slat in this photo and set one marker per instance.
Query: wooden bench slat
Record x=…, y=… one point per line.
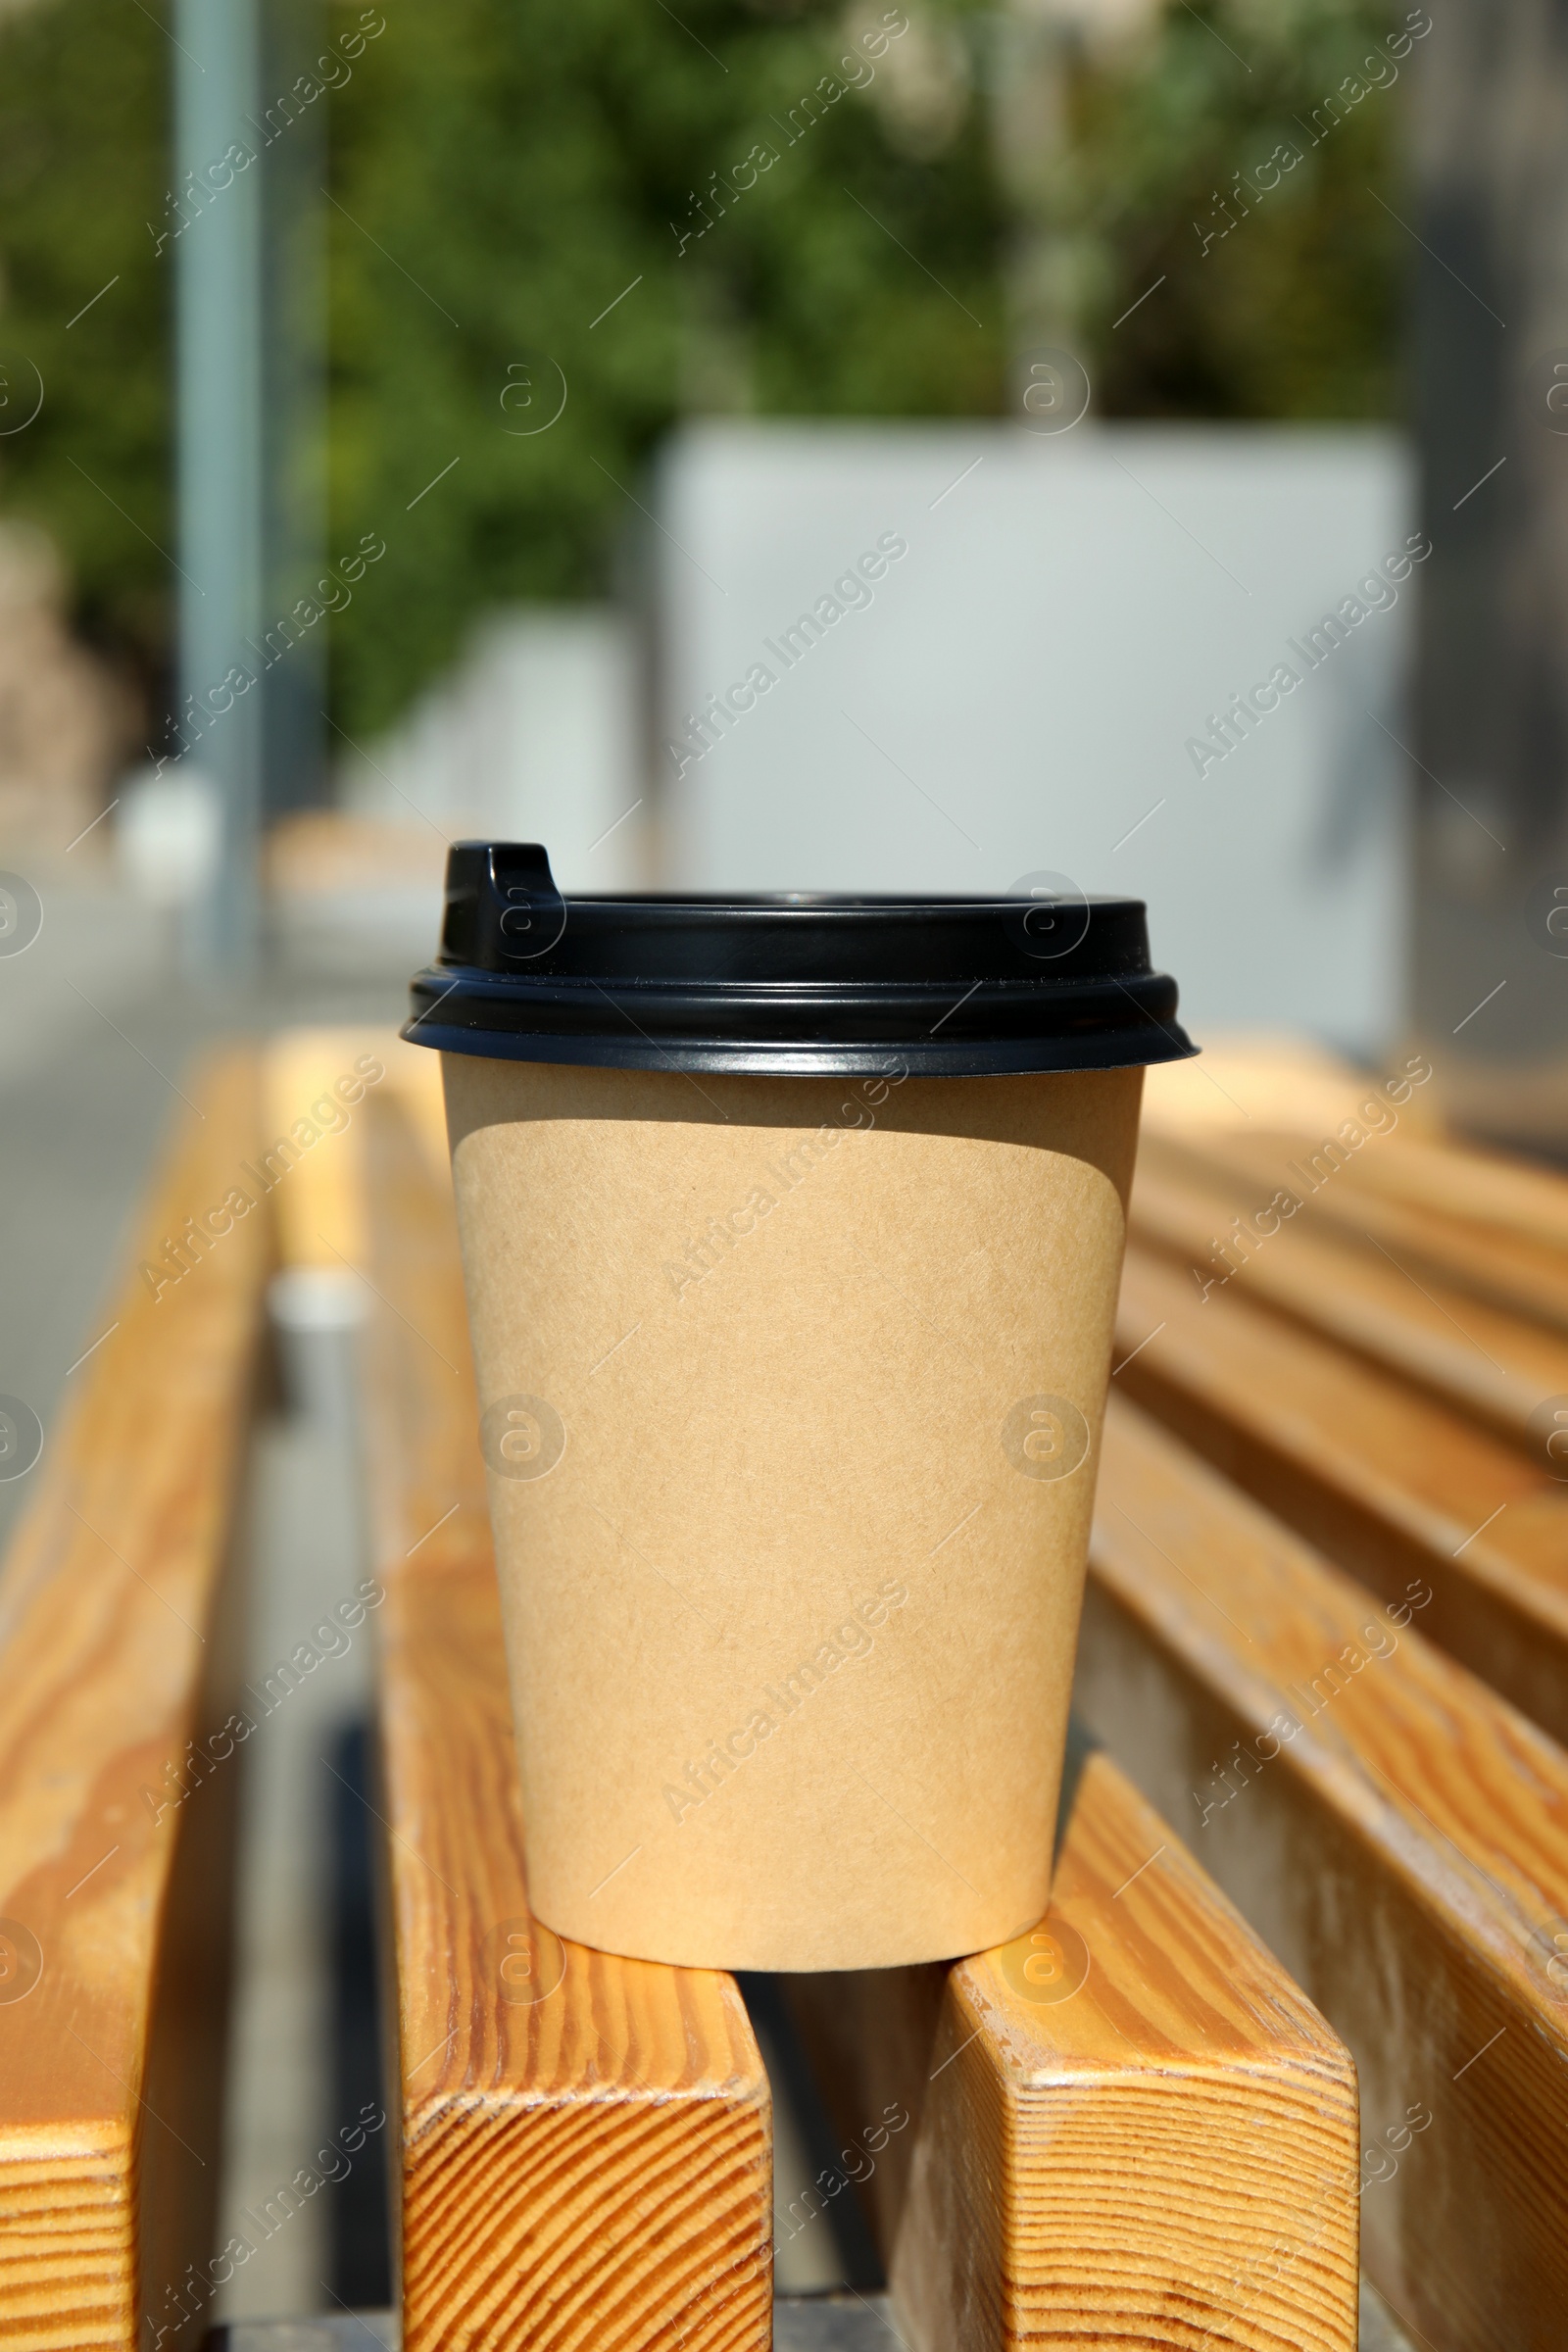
x=117, y=1650
x=1167, y=2157
x=1484, y=1361
x=1462, y=1181
x=590, y=2169
x=1518, y=1273
x=1387, y=1481
x=1404, y=1850
x=1293, y=1099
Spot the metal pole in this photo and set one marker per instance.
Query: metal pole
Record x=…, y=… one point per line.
x=218, y=200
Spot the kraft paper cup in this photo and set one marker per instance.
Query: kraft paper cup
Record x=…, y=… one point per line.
x=792, y=1386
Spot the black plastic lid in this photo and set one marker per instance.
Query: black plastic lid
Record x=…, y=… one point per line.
x=1044, y=979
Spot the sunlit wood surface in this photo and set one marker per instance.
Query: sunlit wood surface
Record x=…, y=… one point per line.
x=586, y=2159
x=115, y=1653
x=1127, y=2128
x=1490, y=1363
x=1396, y=1833
x=1390, y=1481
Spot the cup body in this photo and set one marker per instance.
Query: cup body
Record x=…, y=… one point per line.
x=792, y=1391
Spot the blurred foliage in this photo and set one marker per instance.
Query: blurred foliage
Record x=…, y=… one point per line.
x=84, y=104
x=1280, y=301
x=522, y=187
x=528, y=165
x=511, y=167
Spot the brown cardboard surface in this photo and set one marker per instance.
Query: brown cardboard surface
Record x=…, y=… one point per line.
x=792, y=1398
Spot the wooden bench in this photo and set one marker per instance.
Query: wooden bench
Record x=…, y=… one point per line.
x=1131, y=2126
x=585, y=2141
x=1490, y=1364
x=1082, y=2105
x=1396, y=1833
x=1381, y=1475
x=592, y=2165
x=117, y=1652
x=1277, y=1111
x=1452, y=1217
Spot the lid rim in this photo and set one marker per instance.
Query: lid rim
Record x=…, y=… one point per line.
x=1042, y=1057
x=1044, y=979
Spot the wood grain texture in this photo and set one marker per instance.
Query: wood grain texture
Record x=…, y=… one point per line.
x=586, y=2142
x=1483, y=1188
x=1487, y=1362
x=1399, y=1836
x=117, y=1651
x=1390, y=1483
x=1165, y=2157
x=1520, y=1272
x=1290, y=1095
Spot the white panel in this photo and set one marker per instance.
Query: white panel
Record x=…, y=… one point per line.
x=1019, y=691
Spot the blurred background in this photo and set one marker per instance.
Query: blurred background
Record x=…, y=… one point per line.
x=755, y=443
x=412, y=420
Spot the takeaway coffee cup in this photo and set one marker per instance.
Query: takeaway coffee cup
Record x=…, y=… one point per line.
x=790, y=1231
